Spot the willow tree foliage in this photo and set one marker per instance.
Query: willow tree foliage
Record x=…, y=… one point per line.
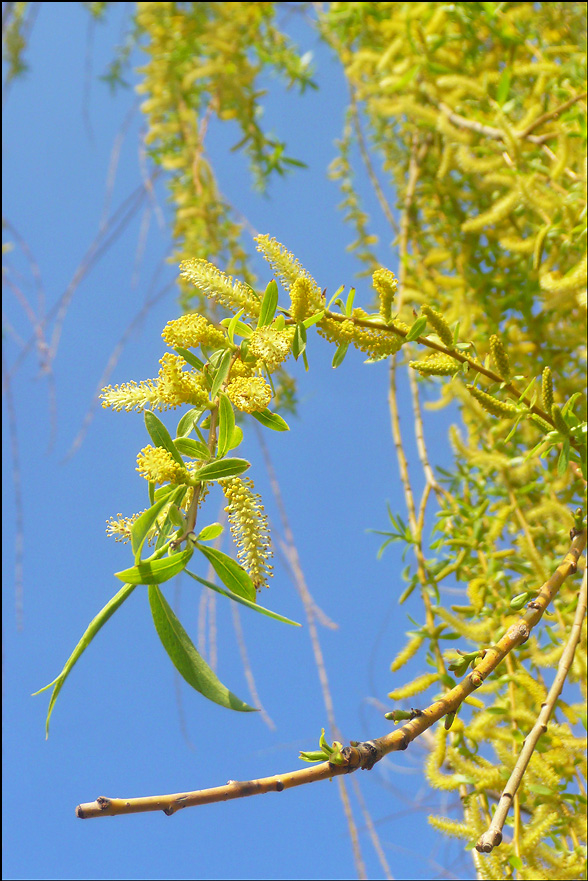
x=471, y=121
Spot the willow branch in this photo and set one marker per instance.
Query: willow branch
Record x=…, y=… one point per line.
x=358, y=755
x=513, y=391
x=493, y=835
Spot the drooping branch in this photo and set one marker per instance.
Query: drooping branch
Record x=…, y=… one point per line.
x=493, y=835
x=359, y=755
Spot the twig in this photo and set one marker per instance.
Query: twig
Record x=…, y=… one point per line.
x=359, y=755
x=493, y=835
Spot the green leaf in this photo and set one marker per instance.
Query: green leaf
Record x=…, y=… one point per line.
x=221, y=468
x=232, y=324
x=314, y=319
x=226, y=424
x=190, y=447
x=271, y=420
x=244, y=602
x=185, y=657
x=339, y=355
x=156, y=571
x=349, y=303
x=564, y=457
x=417, y=329
x=230, y=573
x=188, y=422
x=222, y=372
x=299, y=341
x=160, y=435
x=238, y=327
x=143, y=524
x=236, y=437
x=503, y=86
x=91, y=630
x=269, y=304
x=210, y=532
x=189, y=357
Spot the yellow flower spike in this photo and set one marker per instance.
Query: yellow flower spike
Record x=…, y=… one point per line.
x=271, y=346
x=217, y=284
x=192, y=330
x=435, y=365
x=547, y=389
x=385, y=282
x=499, y=356
x=286, y=267
x=438, y=323
x=250, y=394
x=132, y=396
x=306, y=298
x=120, y=527
x=492, y=405
x=176, y=386
x=159, y=466
x=249, y=528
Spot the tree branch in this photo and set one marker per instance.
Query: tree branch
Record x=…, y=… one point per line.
x=358, y=755
x=493, y=835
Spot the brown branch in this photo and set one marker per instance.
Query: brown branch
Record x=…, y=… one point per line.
x=493, y=835
x=358, y=755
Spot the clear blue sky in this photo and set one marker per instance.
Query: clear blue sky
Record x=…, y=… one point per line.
x=124, y=725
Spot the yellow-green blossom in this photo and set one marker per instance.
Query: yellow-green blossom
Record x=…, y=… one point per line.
x=250, y=394
x=173, y=387
x=249, y=528
x=271, y=346
x=217, y=284
x=120, y=527
x=306, y=298
x=385, y=282
x=192, y=330
x=435, y=365
x=132, y=396
x=177, y=386
x=157, y=465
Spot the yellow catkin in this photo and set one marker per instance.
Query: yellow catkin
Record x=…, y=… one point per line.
x=547, y=389
x=438, y=323
x=421, y=683
x=250, y=394
x=490, y=404
x=405, y=654
x=499, y=356
x=435, y=365
x=249, y=528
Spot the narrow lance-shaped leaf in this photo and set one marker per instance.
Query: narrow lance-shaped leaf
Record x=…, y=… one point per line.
x=185, y=657
x=222, y=468
x=190, y=447
x=271, y=420
x=226, y=423
x=230, y=573
x=340, y=353
x=244, y=602
x=187, y=422
x=160, y=435
x=417, y=329
x=269, y=304
x=299, y=341
x=91, y=630
x=189, y=357
x=156, y=571
x=142, y=525
x=221, y=374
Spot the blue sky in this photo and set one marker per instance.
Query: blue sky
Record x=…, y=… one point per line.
x=124, y=725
